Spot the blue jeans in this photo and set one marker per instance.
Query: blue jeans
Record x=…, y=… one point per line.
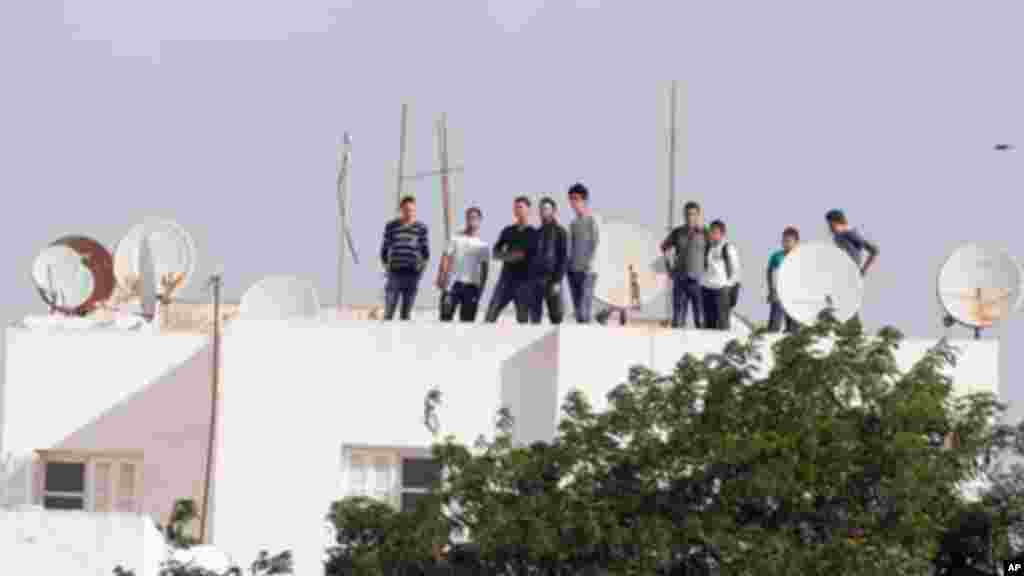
x=775, y=317
x=402, y=285
x=518, y=290
x=686, y=290
x=581, y=289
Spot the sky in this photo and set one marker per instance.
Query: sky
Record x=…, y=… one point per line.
x=224, y=116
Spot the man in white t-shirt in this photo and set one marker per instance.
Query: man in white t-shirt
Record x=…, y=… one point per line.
x=462, y=275
x=721, y=280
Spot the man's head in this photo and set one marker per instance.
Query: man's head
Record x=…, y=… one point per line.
x=521, y=210
x=692, y=212
x=548, y=209
x=717, y=231
x=836, y=221
x=473, y=219
x=790, y=238
x=407, y=209
x=578, y=198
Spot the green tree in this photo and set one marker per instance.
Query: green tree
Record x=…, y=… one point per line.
x=829, y=461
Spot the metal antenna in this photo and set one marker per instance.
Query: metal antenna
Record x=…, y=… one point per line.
x=400, y=188
x=214, y=285
x=446, y=203
x=672, y=152
x=344, y=222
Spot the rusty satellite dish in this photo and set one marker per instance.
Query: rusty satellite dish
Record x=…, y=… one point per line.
x=978, y=286
x=818, y=276
x=74, y=275
x=629, y=266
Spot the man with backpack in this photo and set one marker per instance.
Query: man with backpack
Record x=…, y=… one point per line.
x=720, y=283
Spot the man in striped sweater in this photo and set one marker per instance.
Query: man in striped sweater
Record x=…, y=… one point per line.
x=404, y=253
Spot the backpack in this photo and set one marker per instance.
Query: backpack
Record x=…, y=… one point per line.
x=734, y=291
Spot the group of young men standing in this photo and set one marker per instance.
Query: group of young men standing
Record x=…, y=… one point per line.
x=703, y=264
x=535, y=261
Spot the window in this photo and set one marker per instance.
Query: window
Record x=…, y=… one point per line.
x=64, y=486
x=92, y=482
x=397, y=476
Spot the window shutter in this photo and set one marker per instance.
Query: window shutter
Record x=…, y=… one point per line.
x=382, y=478
x=127, y=493
x=357, y=474
x=103, y=487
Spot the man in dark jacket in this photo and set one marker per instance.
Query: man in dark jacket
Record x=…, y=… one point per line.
x=515, y=248
x=549, y=266
x=688, y=242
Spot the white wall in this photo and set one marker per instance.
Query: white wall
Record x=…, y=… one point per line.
x=111, y=391
x=77, y=543
x=296, y=392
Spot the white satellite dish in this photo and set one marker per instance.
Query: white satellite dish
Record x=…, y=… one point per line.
x=280, y=297
x=173, y=253
x=62, y=277
x=629, y=265
x=818, y=276
x=979, y=286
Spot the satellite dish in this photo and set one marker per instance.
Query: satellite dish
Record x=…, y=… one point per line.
x=979, y=286
x=280, y=297
x=173, y=256
x=74, y=275
x=629, y=265
x=818, y=276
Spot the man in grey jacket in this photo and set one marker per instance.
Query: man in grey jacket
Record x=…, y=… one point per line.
x=584, y=238
x=688, y=242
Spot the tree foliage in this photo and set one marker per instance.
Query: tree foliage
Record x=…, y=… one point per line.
x=826, y=460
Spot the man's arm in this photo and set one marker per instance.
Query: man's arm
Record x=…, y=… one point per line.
x=424, y=240
x=385, y=245
x=669, y=241
x=596, y=241
x=443, y=267
x=561, y=254
x=771, y=281
x=485, y=266
x=870, y=247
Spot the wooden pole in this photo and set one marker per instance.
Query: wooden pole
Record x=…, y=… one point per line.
x=215, y=283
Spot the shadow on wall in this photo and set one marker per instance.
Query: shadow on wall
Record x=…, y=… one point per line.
x=529, y=389
x=169, y=422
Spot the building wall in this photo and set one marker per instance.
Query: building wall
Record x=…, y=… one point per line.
x=296, y=392
x=111, y=391
x=58, y=542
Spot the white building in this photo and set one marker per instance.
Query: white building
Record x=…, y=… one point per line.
x=311, y=410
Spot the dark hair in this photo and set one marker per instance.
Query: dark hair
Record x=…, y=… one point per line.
x=407, y=200
x=691, y=205
x=580, y=190
x=523, y=199
x=549, y=201
x=718, y=224
x=474, y=210
x=791, y=232
x=835, y=217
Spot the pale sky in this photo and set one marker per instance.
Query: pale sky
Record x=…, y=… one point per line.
x=224, y=115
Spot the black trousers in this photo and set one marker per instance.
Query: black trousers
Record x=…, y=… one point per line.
x=717, y=308
x=400, y=285
x=776, y=315
x=462, y=297
x=547, y=291
x=686, y=290
x=511, y=289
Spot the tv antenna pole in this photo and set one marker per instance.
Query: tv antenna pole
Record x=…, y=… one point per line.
x=344, y=221
x=214, y=285
x=673, y=134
